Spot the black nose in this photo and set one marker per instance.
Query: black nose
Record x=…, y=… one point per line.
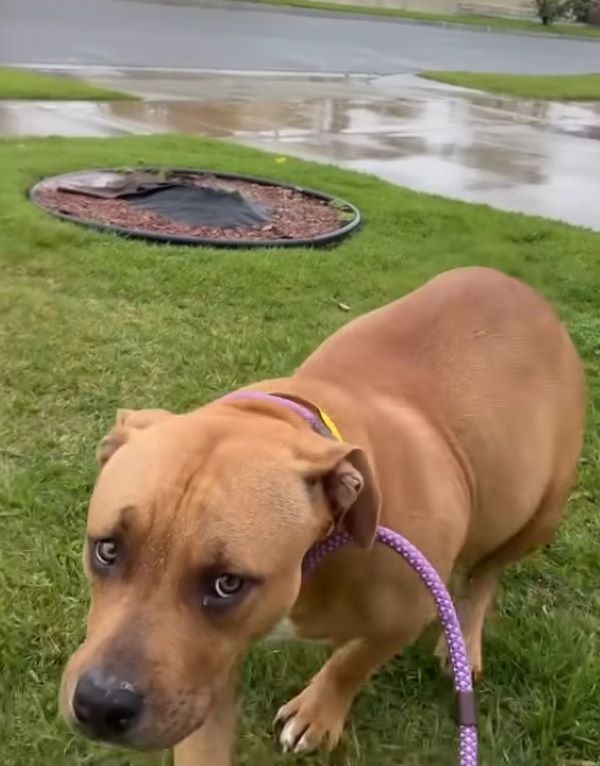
x=108, y=706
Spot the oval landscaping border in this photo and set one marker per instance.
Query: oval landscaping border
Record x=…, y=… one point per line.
x=322, y=240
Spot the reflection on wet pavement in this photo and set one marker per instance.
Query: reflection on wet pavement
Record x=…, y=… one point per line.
x=535, y=157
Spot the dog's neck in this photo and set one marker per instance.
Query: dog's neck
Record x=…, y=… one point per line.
x=318, y=418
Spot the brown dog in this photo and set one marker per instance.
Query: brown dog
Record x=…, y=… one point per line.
x=462, y=412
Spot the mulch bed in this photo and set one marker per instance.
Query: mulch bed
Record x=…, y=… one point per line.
x=293, y=214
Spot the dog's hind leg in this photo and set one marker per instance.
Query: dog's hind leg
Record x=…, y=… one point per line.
x=477, y=596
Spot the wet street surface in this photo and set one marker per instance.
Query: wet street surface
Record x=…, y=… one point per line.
x=250, y=37
x=535, y=157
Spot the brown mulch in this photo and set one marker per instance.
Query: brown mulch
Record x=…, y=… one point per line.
x=294, y=215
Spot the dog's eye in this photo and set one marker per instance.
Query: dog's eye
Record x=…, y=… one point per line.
x=225, y=591
x=228, y=585
x=105, y=552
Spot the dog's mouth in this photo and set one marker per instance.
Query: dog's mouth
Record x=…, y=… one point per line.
x=146, y=736
x=105, y=738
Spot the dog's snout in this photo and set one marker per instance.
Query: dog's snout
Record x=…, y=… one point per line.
x=106, y=705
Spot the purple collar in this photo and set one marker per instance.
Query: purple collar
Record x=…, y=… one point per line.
x=289, y=403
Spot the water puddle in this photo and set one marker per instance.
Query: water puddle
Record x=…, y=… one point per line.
x=535, y=157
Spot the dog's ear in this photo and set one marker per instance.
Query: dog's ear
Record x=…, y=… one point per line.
x=354, y=497
x=125, y=422
x=349, y=486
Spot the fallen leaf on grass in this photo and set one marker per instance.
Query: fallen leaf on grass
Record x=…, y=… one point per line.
x=342, y=306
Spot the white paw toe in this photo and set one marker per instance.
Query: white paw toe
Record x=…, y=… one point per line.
x=304, y=745
x=291, y=736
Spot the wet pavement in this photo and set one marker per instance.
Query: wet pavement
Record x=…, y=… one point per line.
x=250, y=37
x=535, y=157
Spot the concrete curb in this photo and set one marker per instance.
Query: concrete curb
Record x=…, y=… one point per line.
x=99, y=69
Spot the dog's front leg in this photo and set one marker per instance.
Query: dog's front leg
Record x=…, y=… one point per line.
x=316, y=716
x=212, y=744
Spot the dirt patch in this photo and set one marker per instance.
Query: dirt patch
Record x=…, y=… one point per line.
x=293, y=214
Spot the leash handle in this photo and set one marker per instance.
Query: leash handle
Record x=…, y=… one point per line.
x=461, y=669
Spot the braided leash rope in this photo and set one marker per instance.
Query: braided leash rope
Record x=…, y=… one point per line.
x=461, y=669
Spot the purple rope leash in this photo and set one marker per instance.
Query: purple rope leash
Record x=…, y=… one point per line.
x=461, y=669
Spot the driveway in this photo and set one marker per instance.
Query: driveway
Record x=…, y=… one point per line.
x=248, y=37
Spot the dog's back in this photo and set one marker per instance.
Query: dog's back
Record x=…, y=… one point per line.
x=489, y=363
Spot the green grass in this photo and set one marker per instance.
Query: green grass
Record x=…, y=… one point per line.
x=91, y=322
x=516, y=25
x=24, y=84
x=575, y=87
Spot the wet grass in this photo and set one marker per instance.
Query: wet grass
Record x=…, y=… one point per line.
x=531, y=26
x=576, y=87
x=28, y=85
x=90, y=322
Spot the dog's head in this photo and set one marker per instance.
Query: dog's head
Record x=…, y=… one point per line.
x=197, y=529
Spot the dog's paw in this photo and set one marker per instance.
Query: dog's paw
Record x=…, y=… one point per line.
x=473, y=650
x=311, y=720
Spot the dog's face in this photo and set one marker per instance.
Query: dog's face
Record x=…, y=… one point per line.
x=196, y=533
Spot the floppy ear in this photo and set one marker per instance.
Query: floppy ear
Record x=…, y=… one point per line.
x=349, y=486
x=125, y=422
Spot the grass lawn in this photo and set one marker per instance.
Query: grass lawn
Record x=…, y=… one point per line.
x=522, y=25
x=90, y=322
x=575, y=87
x=25, y=84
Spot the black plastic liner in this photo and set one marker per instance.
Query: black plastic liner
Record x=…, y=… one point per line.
x=202, y=206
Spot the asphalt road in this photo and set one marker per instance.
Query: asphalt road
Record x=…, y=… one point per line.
x=163, y=33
